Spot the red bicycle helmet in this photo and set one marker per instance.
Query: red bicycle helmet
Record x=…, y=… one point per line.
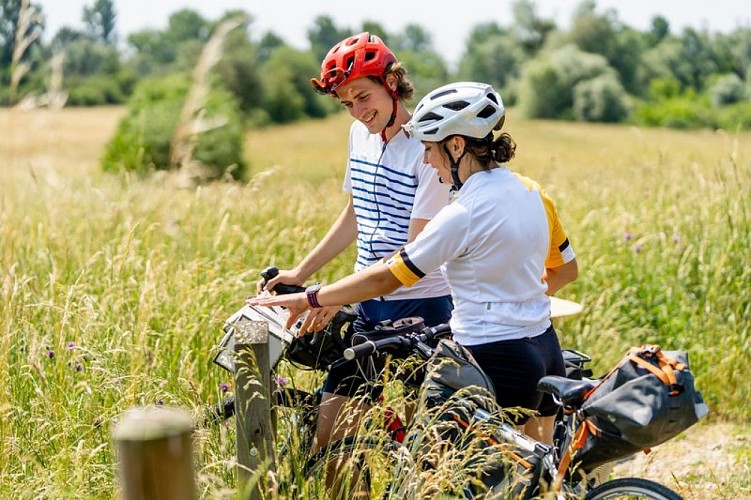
x=354, y=57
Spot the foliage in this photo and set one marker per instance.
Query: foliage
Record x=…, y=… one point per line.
x=287, y=94
x=323, y=35
x=494, y=58
x=100, y=21
x=548, y=82
x=727, y=89
x=96, y=90
x=600, y=99
x=142, y=140
x=521, y=59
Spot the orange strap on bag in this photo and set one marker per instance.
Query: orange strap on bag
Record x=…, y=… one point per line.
x=667, y=366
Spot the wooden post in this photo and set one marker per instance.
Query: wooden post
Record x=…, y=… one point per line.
x=155, y=454
x=255, y=430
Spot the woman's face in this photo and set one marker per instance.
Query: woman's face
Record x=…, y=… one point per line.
x=435, y=156
x=368, y=102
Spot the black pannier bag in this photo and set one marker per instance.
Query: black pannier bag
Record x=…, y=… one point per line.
x=450, y=369
x=647, y=399
x=320, y=349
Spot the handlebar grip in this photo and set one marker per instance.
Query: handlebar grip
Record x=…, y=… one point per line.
x=272, y=272
x=360, y=350
x=434, y=332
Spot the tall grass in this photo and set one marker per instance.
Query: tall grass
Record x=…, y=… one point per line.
x=114, y=289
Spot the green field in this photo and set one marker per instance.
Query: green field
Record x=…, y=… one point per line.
x=114, y=288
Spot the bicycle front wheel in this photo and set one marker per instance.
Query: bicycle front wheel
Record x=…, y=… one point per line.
x=632, y=488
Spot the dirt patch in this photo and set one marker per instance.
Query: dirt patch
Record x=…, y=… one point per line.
x=710, y=460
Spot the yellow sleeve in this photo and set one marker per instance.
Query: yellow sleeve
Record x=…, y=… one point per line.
x=403, y=269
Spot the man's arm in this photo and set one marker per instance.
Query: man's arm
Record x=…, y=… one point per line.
x=340, y=235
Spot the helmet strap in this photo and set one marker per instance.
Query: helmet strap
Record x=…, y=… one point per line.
x=456, y=182
x=394, y=100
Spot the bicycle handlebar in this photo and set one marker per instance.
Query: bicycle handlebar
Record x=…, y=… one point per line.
x=414, y=341
x=272, y=272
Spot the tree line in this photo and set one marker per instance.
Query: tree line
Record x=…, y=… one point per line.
x=598, y=70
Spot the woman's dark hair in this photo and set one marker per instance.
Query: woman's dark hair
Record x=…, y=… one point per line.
x=500, y=149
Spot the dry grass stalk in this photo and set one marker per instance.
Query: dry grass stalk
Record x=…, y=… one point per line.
x=192, y=120
x=24, y=38
x=55, y=97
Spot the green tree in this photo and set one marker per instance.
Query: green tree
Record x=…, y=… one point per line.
x=427, y=70
x=187, y=24
x=376, y=28
x=153, y=52
x=530, y=30
x=288, y=95
x=690, y=59
x=548, y=81
x=269, y=42
x=99, y=20
x=323, y=35
x=239, y=65
x=658, y=31
x=604, y=34
x=496, y=59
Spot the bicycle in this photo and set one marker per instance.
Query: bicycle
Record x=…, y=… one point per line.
x=524, y=468
x=385, y=437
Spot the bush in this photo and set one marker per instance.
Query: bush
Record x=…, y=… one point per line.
x=734, y=117
x=680, y=112
x=96, y=91
x=728, y=89
x=601, y=99
x=142, y=140
x=547, y=86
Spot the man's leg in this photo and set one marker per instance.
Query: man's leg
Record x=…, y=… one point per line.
x=333, y=424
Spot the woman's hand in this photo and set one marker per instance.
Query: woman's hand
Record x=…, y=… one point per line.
x=297, y=304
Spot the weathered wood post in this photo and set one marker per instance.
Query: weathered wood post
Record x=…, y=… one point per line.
x=255, y=430
x=155, y=454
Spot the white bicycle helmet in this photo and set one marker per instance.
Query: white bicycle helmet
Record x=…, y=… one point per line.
x=470, y=109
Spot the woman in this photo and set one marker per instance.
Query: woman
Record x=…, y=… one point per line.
x=500, y=244
x=393, y=195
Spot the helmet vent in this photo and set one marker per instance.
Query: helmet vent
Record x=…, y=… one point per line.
x=438, y=95
x=487, y=112
x=430, y=117
x=456, y=105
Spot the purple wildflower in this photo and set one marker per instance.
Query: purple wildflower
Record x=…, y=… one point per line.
x=282, y=381
x=71, y=345
x=637, y=248
x=628, y=236
x=224, y=387
x=50, y=353
x=160, y=402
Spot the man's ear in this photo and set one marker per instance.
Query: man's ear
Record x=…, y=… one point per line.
x=392, y=82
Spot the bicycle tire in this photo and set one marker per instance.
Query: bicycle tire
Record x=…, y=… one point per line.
x=364, y=457
x=632, y=488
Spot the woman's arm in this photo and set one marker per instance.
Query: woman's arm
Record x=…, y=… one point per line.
x=558, y=277
x=372, y=282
